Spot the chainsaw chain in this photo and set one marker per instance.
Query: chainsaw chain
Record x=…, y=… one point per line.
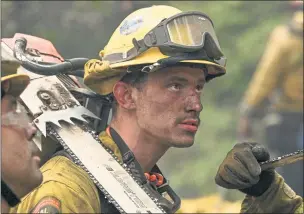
x=281, y=157
x=109, y=198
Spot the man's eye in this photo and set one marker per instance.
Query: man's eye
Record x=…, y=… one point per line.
x=199, y=88
x=175, y=87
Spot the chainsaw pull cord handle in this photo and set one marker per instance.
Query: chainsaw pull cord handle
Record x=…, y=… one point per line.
x=73, y=66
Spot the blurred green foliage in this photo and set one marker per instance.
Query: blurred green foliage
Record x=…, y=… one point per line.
x=82, y=29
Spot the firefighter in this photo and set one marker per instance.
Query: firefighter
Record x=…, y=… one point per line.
x=155, y=65
x=275, y=95
x=19, y=165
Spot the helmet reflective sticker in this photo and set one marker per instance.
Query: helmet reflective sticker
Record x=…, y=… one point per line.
x=131, y=25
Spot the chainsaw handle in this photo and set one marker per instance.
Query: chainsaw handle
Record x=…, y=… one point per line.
x=72, y=66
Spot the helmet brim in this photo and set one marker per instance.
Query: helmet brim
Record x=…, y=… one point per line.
x=17, y=84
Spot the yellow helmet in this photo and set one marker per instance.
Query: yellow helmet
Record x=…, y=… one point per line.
x=153, y=36
x=11, y=82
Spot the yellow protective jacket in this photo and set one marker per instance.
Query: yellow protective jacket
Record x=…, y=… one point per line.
x=66, y=188
x=280, y=70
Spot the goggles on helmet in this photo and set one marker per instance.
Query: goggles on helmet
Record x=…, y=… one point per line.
x=182, y=33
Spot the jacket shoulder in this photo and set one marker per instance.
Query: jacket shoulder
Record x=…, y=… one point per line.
x=65, y=182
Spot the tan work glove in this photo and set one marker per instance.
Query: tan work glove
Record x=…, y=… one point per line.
x=241, y=169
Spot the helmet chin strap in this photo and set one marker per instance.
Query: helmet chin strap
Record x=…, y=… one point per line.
x=8, y=195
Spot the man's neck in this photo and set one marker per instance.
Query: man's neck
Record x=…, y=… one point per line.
x=4, y=206
x=146, y=149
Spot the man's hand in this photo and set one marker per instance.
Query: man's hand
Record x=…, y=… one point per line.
x=241, y=169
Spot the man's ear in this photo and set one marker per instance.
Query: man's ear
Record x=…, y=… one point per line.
x=123, y=95
x=6, y=85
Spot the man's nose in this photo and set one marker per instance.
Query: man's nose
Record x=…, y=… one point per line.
x=194, y=103
x=30, y=131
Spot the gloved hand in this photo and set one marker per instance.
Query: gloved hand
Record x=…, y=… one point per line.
x=241, y=170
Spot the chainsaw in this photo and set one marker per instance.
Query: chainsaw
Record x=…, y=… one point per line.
x=50, y=100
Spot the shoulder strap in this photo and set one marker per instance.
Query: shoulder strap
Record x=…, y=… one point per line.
x=128, y=156
x=129, y=159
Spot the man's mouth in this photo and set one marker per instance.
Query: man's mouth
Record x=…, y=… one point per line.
x=190, y=125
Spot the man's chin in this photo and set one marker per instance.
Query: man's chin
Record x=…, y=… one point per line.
x=37, y=179
x=36, y=176
x=34, y=180
x=182, y=144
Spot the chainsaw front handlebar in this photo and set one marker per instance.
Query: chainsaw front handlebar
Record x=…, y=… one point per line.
x=73, y=66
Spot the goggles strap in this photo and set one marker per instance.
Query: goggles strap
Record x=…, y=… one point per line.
x=201, y=55
x=9, y=195
x=139, y=46
x=173, y=60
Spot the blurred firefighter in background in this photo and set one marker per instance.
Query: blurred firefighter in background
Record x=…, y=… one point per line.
x=275, y=94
